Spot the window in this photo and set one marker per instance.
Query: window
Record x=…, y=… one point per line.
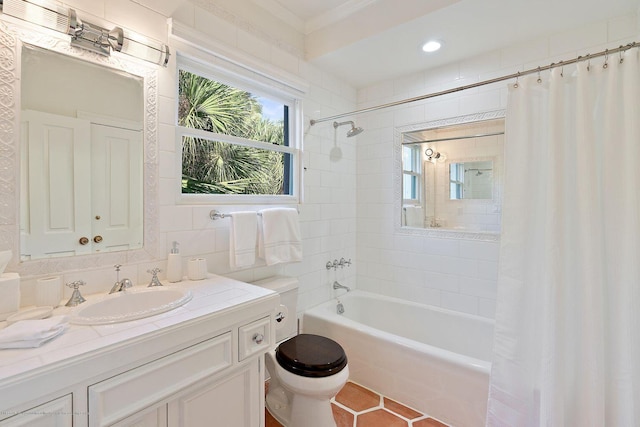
x=238, y=139
x=456, y=181
x=411, y=174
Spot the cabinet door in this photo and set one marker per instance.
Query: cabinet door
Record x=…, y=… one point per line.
x=57, y=413
x=230, y=401
x=157, y=417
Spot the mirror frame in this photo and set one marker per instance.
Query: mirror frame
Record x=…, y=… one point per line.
x=12, y=37
x=397, y=178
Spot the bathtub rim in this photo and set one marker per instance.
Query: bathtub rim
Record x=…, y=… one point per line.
x=326, y=311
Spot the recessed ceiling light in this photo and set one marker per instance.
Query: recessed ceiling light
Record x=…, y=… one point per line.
x=431, y=46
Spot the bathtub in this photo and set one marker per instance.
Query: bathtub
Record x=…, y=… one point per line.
x=434, y=360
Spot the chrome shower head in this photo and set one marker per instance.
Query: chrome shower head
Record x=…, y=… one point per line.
x=353, y=131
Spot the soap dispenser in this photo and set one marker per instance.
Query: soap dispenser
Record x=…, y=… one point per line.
x=174, y=264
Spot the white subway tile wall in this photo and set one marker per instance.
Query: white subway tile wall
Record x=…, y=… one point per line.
x=455, y=274
x=348, y=183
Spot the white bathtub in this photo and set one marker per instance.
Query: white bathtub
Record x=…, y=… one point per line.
x=432, y=359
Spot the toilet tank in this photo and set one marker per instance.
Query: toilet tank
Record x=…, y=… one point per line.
x=286, y=318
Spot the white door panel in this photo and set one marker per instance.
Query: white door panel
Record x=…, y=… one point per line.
x=58, y=185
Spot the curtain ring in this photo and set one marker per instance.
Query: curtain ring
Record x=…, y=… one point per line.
x=606, y=59
x=621, y=54
x=561, y=69
x=539, y=79
x=516, y=85
x=588, y=62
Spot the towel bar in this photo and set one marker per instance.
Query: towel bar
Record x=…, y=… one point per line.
x=216, y=214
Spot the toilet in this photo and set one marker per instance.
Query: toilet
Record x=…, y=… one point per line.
x=306, y=370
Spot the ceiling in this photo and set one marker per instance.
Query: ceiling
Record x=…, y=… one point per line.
x=365, y=41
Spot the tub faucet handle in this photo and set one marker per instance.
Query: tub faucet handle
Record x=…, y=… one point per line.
x=344, y=262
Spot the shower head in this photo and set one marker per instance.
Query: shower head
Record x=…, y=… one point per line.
x=353, y=131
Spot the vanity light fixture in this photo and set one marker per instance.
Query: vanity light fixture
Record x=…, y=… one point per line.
x=84, y=34
x=431, y=46
x=435, y=156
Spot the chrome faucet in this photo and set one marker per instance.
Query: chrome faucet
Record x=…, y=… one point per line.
x=76, y=297
x=120, y=285
x=154, y=277
x=337, y=285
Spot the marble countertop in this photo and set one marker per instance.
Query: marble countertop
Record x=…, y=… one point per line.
x=213, y=295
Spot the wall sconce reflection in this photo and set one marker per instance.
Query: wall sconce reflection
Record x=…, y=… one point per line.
x=435, y=156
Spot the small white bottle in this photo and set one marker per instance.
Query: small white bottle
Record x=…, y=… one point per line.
x=174, y=265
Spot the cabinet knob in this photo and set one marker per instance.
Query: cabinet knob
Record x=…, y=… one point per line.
x=97, y=239
x=258, y=338
x=83, y=241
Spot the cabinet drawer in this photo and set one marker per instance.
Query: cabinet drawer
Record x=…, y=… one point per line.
x=57, y=413
x=254, y=337
x=125, y=394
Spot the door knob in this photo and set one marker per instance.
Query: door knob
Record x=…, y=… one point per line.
x=97, y=239
x=83, y=241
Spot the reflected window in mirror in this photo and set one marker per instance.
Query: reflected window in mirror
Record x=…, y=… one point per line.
x=411, y=174
x=461, y=174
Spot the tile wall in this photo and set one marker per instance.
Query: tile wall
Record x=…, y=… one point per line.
x=328, y=214
x=456, y=274
x=348, y=203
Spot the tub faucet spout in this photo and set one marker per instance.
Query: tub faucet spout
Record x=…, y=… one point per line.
x=337, y=285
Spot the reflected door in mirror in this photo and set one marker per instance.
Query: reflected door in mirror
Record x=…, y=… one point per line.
x=82, y=189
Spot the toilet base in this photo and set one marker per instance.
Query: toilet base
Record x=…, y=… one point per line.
x=303, y=411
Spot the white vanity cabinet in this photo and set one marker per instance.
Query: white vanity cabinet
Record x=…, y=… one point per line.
x=56, y=413
x=199, y=369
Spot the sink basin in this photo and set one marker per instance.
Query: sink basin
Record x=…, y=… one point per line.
x=129, y=305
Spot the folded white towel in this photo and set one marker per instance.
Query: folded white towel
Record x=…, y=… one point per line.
x=32, y=333
x=242, y=239
x=280, y=238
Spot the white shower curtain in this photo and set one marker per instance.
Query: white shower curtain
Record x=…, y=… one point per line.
x=567, y=340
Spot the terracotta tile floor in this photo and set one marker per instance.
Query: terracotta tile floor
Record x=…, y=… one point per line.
x=356, y=406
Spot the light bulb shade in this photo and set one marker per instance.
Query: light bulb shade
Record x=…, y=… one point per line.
x=39, y=12
x=141, y=47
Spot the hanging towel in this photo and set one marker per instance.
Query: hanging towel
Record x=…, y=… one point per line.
x=414, y=216
x=242, y=239
x=280, y=238
x=32, y=333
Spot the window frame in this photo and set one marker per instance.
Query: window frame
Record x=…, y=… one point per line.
x=257, y=87
x=416, y=172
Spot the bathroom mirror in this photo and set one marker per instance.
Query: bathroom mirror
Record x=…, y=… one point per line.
x=449, y=177
x=471, y=180
x=119, y=95
x=81, y=157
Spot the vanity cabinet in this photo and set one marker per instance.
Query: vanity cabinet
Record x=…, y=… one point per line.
x=192, y=386
x=56, y=413
x=202, y=367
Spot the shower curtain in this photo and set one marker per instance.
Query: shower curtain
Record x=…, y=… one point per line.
x=567, y=335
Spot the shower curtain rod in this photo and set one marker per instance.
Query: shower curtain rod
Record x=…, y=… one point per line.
x=453, y=138
x=587, y=57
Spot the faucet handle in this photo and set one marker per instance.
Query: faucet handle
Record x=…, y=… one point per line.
x=344, y=262
x=154, y=277
x=75, y=285
x=76, y=297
